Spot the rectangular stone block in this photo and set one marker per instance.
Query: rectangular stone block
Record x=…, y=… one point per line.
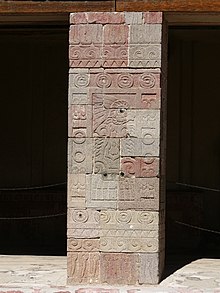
x=83, y=223
x=138, y=147
x=132, y=245
x=125, y=80
x=97, y=17
x=80, y=155
x=83, y=245
x=116, y=34
x=139, y=194
x=145, y=56
x=119, y=268
x=78, y=86
x=101, y=191
x=80, y=121
x=86, y=34
x=145, y=34
x=143, y=123
x=106, y=17
x=140, y=167
x=78, y=18
x=107, y=155
x=76, y=191
x=153, y=17
x=133, y=17
x=85, y=56
x=149, y=268
x=115, y=56
x=109, y=122
x=83, y=268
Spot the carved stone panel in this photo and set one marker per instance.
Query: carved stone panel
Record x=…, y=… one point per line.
x=83, y=267
x=139, y=166
x=107, y=155
x=78, y=86
x=76, y=191
x=101, y=191
x=80, y=155
x=139, y=194
x=117, y=268
x=129, y=231
x=83, y=223
x=88, y=245
x=140, y=147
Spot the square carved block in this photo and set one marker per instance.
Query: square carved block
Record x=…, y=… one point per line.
x=83, y=268
x=138, y=194
x=119, y=268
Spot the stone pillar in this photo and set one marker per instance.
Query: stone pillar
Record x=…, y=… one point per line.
x=115, y=173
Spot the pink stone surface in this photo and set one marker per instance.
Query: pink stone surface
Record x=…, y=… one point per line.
x=115, y=34
x=78, y=18
x=153, y=17
x=119, y=268
x=140, y=167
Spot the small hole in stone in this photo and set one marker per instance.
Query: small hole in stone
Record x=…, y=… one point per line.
x=80, y=215
x=105, y=174
x=121, y=110
x=122, y=174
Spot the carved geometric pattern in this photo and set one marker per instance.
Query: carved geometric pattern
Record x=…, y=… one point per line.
x=138, y=194
x=83, y=267
x=101, y=191
x=107, y=155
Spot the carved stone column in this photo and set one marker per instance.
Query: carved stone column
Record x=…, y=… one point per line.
x=115, y=142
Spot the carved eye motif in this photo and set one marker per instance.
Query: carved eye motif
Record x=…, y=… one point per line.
x=80, y=216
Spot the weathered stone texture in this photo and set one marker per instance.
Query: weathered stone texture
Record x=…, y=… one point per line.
x=139, y=167
x=83, y=267
x=117, y=268
x=115, y=224
x=138, y=194
x=89, y=245
x=149, y=268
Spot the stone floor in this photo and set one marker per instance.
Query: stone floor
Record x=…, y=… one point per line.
x=47, y=274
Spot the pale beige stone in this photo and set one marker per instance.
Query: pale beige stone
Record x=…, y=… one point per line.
x=143, y=123
x=77, y=245
x=137, y=147
x=83, y=267
x=101, y=191
x=145, y=33
x=149, y=268
x=80, y=155
x=133, y=17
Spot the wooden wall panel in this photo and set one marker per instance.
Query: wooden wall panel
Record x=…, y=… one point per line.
x=18, y=6
x=165, y=5
x=55, y=6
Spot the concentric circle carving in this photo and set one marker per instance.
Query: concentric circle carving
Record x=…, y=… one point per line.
x=103, y=80
x=125, y=80
x=80, y=216
x=105, y=217
x=81, y=80
x=123, y=217
x=145, y=217
x=147, y=80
